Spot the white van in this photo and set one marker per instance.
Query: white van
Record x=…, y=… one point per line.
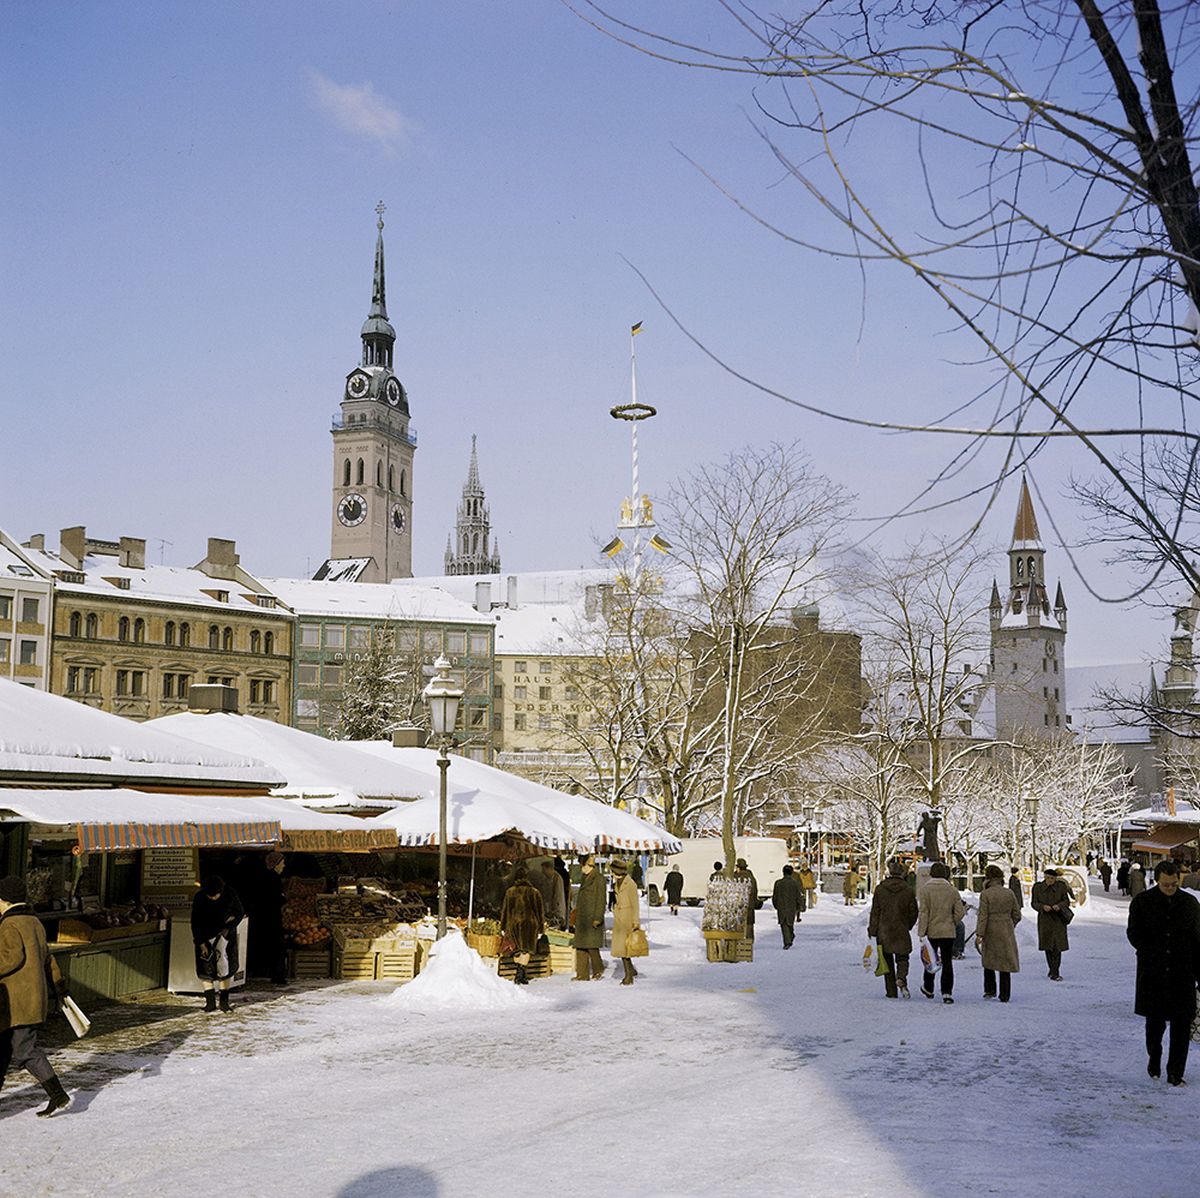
x=765, y=855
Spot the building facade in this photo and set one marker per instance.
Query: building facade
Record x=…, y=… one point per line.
x=26, y=607
x=373, y=448
x=470, y=548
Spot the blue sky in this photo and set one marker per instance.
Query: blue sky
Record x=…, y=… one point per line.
x=188, y=207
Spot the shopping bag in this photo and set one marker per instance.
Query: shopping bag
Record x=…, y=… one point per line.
x=881, y=965
x=930, y=960
x=636, y=944
x=867, y=955
x=75, y=1017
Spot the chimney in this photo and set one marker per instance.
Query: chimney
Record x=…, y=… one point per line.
x=483, y=597
x=221, y=561
x=512, y=592
x=72, y=546
x=591, y=602
x=213, y=697
x=409, y=736
x=37, y=541
x=133, y=553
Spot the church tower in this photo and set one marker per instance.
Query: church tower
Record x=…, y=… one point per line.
x=470, y=553
x=373, y=446
x=1029, y=636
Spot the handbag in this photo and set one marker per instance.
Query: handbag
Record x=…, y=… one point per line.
x=636, y=944
x=1066, y=914
x=508, y=946
x=542, y=949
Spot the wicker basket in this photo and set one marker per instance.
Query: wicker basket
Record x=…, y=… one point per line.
x=485, y=946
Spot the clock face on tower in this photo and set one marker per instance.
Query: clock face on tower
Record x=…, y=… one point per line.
x=398, y=519
x=392, y=391
x=357, y=386
x=352, y=510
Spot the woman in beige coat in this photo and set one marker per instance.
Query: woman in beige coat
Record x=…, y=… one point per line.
x=995, y=934
x=626, y=917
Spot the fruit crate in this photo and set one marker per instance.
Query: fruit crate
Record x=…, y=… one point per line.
x=309, y=962
x=562, y=958
x=729, y=946
x=538, y=967
x=396, y=966
x=354, y=966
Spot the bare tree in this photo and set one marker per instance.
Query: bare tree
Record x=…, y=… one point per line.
x=1060, y=227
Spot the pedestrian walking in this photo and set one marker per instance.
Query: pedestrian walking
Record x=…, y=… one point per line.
x=1014, y=884
x=787, y=898
x=1123, y=876
x=808, y=880
x=1137, y=878
x=1051, y=899
x=27, y=972
x=893, y=913
x=850, y=885
x=996, y=934
x=1106, y=873
x=1191, y=877
x=1164, y=928
x=939, y=909
x=626, y=919
x=216, y=912
x=674, y=888
x=589, y=921
x=743, y=873
x=522, y=921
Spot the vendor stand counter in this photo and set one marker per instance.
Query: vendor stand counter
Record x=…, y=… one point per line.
x=108, y=970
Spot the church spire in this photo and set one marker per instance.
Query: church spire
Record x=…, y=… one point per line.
x=474, y=553
x=378, y=336
x=1025, y=529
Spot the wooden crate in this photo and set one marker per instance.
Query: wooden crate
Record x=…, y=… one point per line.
x=310, y=963
x=538, y=967
x=76, y=931
x=354, y=966
x=562, y=958
x=396, y=967
x=728, y=946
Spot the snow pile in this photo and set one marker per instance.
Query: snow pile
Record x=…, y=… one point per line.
x=456, y=979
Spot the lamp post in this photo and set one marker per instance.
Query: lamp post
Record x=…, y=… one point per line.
x=1031, y=806
x=807, y=811
x=442, y=697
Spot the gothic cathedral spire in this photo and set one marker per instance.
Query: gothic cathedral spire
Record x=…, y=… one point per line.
x=475, y=551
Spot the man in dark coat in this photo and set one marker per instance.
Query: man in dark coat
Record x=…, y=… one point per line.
x=1051, y=899
x=1014, y=884
x=1164, y=928
x=1105, y=875
x=1123, y=876
x=589, y=922
x=893, y=914
x=674, y=888
x=788, y=900
x=267, y=953
x=26, y=972
x=216, y=913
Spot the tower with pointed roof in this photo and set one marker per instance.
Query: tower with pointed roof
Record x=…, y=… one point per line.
x=373, y=447
x=470, y=548
x=1028, y=636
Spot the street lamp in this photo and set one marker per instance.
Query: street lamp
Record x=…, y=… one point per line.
x=807, y=811
x=1031, y=806
x=442, y=698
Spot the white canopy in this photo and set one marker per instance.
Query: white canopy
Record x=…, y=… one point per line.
x=318, y=772
x=45, y=737
x=592, y=825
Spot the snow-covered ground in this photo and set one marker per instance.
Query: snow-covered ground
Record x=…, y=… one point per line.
x=790, y=1074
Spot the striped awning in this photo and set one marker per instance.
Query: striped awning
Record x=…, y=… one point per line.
x=109, y=838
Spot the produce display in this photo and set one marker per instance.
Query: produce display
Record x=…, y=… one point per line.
x=726, y=906
x=122, y=917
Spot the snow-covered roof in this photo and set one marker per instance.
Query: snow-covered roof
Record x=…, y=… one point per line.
x=550, y=629
x=44, y=736
x=374, y=601
x=15, y=568
x=1012, y=620
x=535, y=587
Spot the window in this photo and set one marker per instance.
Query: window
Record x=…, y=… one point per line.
x=498, y=690
x=545, y=667
x=346, y=473
x=571, y=723
x=379, y=474
x=335, y=636
x=1020, y=567
x=29, y=611
x=74, y=677
x=1056, y=665
x=360, y=636
x=544, y=694
x=403, y=479
x=185, y=634
x=1032, y=568
x=268, y=691
x=168, y=686
x=1014, y=665
x=360, y=472
x=5, y=648
x=5, y=607
x=479, y=644
x=544, y=723
x=91, y=677
x=255, y=640
x=1045, y=667
x=139, y=630
x=519, y=693
x=431, y=642
x=227, y=638
x=521, y=667
x=169, y=633
x=307, y=709
x=572, y=693
x=333, y=676
x=519, y=723
x=310, y=636
x=307, y=675
x=391, y=478
x=123, y=628
x=91, y=626
x=75, y=624
x=456, y=642
x=217, y=680
x=255, y=690
x=1045, y=692
x=1056, y=694
x=268, y=643
x=122, y=682
x=1046, y=719
x=29, y=653
x=477, y=717
x=214, y=636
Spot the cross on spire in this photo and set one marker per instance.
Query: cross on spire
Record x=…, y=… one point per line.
x=380, y=209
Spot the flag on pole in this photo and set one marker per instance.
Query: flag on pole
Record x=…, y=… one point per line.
x=613, y=547
x=660, y=543
x=637, y=328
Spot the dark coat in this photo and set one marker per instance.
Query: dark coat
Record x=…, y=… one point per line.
x=24, y=962
x=1052, y=928
x=1123, y=876
x=589, y=911
x=747, y=875
x=996, y=928
x=1166, y=933
x=1106, y=874
x=1014, y=884
x=893, y=914
x=788, y=898
x=523, y=916
x=212, y=916
x=674, y=886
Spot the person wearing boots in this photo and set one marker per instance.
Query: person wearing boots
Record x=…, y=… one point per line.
x=26, y=970
x=589, y=922
x=626, y=917
x=216, y=913
x=787, y=898
x=1051, y=899
x=996, y=934
x=1164, y=928
x=893, y=913
x=940, y=909
x=673, y=884
x=522, y=920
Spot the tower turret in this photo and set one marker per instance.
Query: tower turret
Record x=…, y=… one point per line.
x=474, y=553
